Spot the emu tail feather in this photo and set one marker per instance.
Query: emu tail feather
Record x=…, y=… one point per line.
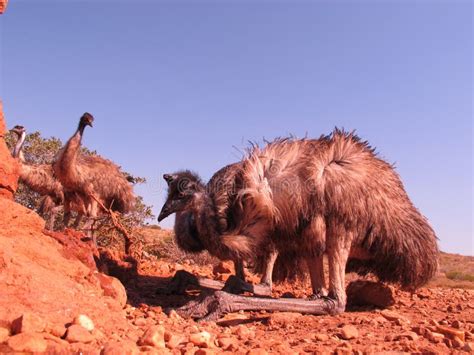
x=406, y=254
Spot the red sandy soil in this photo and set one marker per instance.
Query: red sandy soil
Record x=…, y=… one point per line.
x=51, y=278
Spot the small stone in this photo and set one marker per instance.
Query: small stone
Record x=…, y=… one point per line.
x=58, y=330
x=394, y=316
x=228, y=344
x=451, y=333
x=407, y=335
x=349, y=332
x=456, y=324
x=154, y=336
x=202, y=339
x=457, y=343
x=112, y=287
x=174, y=315
x=78, y=334
x=4, y=334
x=224, y=267
x=84, y=321
x=257, y=351
x=283, y=318
x=140, y=322
x=321, y=337
x=434, y=337
x=27, y=342
x=204, y=352
x=119, y=348
x=469, y=347
x=174, y=341
x=243, y=332
x=28, y=323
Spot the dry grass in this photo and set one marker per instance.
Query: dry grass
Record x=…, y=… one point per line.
x=456, y=271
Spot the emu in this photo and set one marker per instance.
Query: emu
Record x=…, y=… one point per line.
x=189, y=238
x=40, y=178
x=329, y=196
x=97, y=181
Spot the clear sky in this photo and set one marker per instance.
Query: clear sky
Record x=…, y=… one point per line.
x=178, y=84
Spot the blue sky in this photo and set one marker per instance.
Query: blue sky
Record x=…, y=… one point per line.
x=176, y=85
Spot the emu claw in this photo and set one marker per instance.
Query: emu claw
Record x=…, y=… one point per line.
x=321, y=294
x=179, y=283
x=238, y=286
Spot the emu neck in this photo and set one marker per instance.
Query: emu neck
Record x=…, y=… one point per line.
x=18, y=150
x=68, y=159
x=207, y=226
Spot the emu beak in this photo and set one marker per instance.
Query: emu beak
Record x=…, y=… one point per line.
x=165, y=212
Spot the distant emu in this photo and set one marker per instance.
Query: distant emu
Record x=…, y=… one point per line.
x=311, y=197
x=40, y=178
x=95, y=180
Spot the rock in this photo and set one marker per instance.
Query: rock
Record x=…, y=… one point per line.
x=204, y=352
x=434, y=337
x=28, y=323
x=257, y=351
x=228, y=344
x=349, y=332
x=140, y=322
x=27, y=342
x=394, y=316
x=321, y=337
x=363, y=293
x=173, y=341
x=154, y=336
x=469, y=347
x=119, y=348
x=84, y=321
x=174, y=315
x=283, y=318
x=4, y=334
x=243, y=332
x=224, y=267
x=58, y=330
x=9, y=168
x=407, y=335
x=78, y=334
x=202, y=339
x=451, y=333
x=456, y=324
x=112, y=287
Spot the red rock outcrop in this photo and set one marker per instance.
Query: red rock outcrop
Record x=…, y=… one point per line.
x=3, y=6
x=9, y=168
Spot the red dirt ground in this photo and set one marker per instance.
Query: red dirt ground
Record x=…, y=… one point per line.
x=54, y=277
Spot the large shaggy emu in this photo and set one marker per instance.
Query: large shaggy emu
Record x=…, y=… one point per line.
x=331, y=196
x=97, y=181
x=40, y=178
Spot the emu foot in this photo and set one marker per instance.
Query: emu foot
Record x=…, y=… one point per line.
x=318, y=295
x=212, y=307
x=237, y=286
x=180, y=282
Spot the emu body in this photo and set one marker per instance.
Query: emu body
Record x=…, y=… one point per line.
x=40, y=178
x=331, y=196
x=96, y=181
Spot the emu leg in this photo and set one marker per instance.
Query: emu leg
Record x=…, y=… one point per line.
x=238, y=285
x=77, y=221
x=212, y=307
x=316, y=272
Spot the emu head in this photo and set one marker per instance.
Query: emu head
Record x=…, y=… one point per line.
x=18, y=130
x=86, y=120
x=183, y=188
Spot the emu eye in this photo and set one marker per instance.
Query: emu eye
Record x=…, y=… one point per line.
x=181, y=195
